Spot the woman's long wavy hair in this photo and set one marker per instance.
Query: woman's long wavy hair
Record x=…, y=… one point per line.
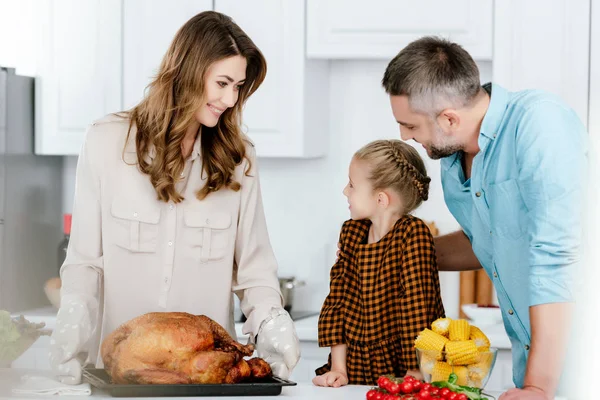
x=177, y=93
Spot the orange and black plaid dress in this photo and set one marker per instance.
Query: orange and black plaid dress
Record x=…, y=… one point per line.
x=381, y=296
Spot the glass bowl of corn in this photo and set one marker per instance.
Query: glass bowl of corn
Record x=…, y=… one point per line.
x=455, y=346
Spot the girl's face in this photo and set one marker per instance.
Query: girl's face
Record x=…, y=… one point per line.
x=361, y=196
x=223, y=81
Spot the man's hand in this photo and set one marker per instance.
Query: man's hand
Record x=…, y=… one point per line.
x=527, y=393
x=331, y=379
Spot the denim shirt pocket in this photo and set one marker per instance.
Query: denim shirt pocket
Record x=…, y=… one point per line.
x=507, y=212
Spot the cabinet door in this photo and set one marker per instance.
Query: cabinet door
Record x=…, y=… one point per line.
x=149, y=27
x=274, y=117
x=537, y=46
x=78, y=70
x=381, y=28
x=268, y=23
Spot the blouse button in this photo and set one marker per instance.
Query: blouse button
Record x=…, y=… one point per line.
x=135, y=214
x=207, y=221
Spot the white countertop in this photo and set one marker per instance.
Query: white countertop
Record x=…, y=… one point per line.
x=9, y=378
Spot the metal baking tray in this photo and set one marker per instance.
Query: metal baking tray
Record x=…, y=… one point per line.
x=264, y=387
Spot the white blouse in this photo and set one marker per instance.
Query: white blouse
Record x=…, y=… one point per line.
x=130, y=253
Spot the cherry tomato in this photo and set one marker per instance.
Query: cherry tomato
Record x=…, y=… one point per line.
x=389, y=397
x=379, y=396
x=426, y=386
x=444, y=393
x=461, y=396
x=371, y=394
x=452, y=396
x=424, y=395
x=406, y=387
x=409, y=378
x=418, y=385
x=393, y=388
x=383, y=381
x=434, y=391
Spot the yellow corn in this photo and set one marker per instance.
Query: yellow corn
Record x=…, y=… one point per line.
x=459, y=329
x=474, y=382
x=441, y=371
x=429, y=340
x=480, y=369
x=463, y=352
x=481, y=340
x=441, y=326
x=462, y=373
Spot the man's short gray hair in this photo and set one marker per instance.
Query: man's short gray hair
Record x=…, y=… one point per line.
x=434, y=73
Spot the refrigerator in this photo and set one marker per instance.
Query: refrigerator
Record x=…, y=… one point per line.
x=30, y=200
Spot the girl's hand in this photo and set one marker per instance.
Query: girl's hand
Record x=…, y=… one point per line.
x=415, y=373
x=331, y=379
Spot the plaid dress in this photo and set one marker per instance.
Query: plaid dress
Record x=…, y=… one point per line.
x=381, y=296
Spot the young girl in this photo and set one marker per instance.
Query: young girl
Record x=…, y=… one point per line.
x=384, y=286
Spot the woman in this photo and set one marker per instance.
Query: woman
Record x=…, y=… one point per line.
x=168, y=214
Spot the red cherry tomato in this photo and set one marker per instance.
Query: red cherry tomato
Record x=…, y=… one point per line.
x=379, y=396
x=452, y=396
x=393, y=388
x=461, y=396
x=424, y=395
x=417, y=385
x=444, y=393
x=426, y=386
x=383, y=381
x=406, y=387
x=371, y=394
x=434, y=391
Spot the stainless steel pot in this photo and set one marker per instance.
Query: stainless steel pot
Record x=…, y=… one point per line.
x=287, y=286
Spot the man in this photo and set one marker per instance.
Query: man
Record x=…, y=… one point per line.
x=513, y=168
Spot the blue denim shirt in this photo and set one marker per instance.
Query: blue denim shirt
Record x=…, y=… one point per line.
x=522, y=207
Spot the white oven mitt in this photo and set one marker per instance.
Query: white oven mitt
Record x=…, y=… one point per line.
x=72, y=333
x=277, y=342
x=42, y=385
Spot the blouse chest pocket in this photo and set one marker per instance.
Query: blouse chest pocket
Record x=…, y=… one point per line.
x=207, y=233
x=135, y=225
x=507, y=215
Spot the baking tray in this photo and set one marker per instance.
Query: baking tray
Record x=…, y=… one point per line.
x=264, y=387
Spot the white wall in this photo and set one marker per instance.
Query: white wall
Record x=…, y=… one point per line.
x=303, y=198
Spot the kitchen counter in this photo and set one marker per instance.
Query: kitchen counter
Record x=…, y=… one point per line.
x=10, y=378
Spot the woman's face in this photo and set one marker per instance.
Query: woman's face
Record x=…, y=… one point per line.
x=223, y=81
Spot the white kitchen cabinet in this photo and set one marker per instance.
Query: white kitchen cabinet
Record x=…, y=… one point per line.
x=78, y=70
x=149, y=26
x=379, y=29
x=288, y=115
x=542, y=45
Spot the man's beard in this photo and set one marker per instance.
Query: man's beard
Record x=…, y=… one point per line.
x=435, y=153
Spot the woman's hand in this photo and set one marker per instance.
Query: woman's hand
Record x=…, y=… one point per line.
x=69, y=338
x=277, y=343
x=331, y=379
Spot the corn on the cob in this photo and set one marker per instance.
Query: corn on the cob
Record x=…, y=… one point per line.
x=459, y=329
x=441, y=371
x=429, y=340
x=463, y=352
x=481, y=340
x=462, y=373
x=441, y=326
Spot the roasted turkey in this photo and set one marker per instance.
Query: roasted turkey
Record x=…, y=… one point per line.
x=177, y=348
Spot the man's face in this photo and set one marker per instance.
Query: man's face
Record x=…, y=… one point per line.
x=423, y=129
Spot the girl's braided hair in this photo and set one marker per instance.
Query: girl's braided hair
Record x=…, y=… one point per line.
x=396, y=165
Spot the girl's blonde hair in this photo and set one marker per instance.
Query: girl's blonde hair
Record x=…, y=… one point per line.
x=396, y=165
x=177, y=93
